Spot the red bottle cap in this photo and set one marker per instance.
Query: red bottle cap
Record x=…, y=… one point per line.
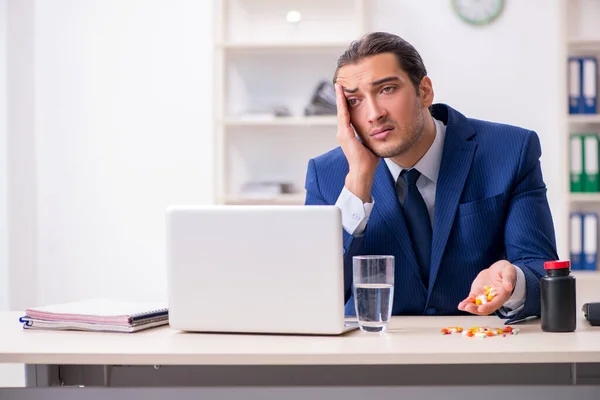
x=557, y=264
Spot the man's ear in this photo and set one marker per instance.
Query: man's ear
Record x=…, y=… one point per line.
x=426, y=92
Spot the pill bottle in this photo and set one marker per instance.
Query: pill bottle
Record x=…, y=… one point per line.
x=557, y=291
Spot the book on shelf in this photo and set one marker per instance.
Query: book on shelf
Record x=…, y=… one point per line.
x=98, y=314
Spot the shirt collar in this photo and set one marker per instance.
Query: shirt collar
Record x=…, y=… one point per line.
x=429, y=164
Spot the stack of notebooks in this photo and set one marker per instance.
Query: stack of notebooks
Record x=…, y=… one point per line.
x=103, y=315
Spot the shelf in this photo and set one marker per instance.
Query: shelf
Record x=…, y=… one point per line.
x=282, y=199
x=285, y=46
x=584, y=118
x=591, y=275
x=284, y=121
x=584, y=43
x=585, y=197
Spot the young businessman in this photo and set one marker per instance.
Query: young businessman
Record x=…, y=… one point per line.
x=460, y=203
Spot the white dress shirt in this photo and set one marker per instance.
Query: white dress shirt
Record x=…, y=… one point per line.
x=355, y=213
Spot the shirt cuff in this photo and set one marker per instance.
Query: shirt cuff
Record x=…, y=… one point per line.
x=517, y=300
x=355, y=213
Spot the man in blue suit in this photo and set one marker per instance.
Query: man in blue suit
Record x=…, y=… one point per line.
x=460, y=203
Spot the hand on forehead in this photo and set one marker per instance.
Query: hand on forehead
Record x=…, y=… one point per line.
x=370, y=72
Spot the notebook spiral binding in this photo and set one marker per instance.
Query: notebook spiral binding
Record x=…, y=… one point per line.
x=150, y=320
x=143, y=316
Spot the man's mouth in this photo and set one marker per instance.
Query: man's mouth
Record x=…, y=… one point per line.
x=382, y=132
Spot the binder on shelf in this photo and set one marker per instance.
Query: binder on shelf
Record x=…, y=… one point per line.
x=583, y=85
x=576, y=164
x=591, y=180
x=590, y=241
x=576, y=241
x=590, y=85
x=575, y=97
x=584, y=163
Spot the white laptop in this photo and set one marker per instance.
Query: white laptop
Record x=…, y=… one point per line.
x=256, y=269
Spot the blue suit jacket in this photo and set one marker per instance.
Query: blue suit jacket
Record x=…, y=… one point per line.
x=490, y=205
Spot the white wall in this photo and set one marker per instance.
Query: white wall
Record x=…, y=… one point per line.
x=11, y=375
x=22, y=183
x=511, y=71
x=4, y=287
x=123, y=129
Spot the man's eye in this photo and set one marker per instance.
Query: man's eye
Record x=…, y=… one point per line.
x=352, y=102
x=388, y=89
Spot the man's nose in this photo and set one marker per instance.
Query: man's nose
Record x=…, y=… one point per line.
x=376, y=113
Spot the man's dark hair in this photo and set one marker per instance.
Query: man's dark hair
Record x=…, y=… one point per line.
x=382, y=42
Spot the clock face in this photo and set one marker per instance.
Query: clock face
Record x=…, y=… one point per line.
x=478, y=12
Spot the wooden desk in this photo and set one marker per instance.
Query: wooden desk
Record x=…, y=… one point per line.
x=409, y=341
x=412, y=353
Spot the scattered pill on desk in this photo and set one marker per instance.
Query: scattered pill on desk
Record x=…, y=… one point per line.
x=480, y=331
x=452, y=329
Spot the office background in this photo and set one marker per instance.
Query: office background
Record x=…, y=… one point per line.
x=107, y=116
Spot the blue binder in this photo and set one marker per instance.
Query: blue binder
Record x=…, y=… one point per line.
x=590, y=241
x=589, y=85
x=575, y=97
x=583, y=85
x=576, y=241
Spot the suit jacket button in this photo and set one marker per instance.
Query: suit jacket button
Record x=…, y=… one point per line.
x=431, y=311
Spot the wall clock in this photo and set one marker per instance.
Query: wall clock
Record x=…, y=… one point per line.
x=478, y=12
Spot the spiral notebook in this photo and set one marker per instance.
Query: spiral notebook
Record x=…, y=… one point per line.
x=97, y=315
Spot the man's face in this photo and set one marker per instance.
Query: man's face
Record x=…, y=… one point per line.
x=384, y=107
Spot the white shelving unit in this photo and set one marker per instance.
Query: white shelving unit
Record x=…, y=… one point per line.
x=250, y=47
x=281, y=199
x=583, y=33
x=582, y=198
x=580, y=43
x=266, y=59
x=284, y=121
x=584, y=119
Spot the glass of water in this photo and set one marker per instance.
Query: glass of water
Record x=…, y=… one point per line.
x=373, y=278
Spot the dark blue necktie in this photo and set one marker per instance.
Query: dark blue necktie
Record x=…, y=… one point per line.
x=418, y=222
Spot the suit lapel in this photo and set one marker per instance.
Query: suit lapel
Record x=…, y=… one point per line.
x=388, y=206
x=454, y=168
